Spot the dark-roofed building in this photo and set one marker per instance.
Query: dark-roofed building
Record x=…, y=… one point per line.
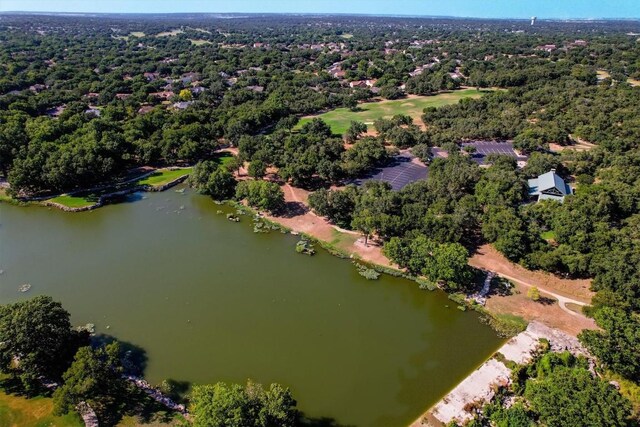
x=549, y=186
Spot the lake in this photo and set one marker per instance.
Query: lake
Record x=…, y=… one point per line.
x=209, y=300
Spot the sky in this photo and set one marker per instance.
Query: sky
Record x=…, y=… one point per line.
x=550, y=9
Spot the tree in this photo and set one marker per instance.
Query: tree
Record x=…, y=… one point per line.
x=231, y=405
x=448, y=263
x=354, y=131
x=391, y=92
x=208, y=177
x=337, y=205
x=38, y=342
x=572, y=396
x=364, y=155
x=617, y=346
x=263, y=195
x=365, y=222
x=234, y=165
x=257, y=169
x=185, y=95
x=94, y=377
x=533, y=293
x=221, y=185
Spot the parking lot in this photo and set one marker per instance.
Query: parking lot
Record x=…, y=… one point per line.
x=485, y=148
x=403, y=170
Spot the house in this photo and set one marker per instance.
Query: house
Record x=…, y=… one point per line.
x=37, y=88
x=549, y=186
x=581, y=43
x=151, y=76
x=182, y=105
x=55, y=112
x=145, y=109
x=357, y=83
x=122, y=96
x=167, y=94
x=547, y=47
x=187, y=78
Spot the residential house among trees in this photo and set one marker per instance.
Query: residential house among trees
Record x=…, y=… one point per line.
x=549, y=186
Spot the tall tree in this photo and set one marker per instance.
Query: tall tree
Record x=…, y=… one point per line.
x=37, y=341
x=94, y=377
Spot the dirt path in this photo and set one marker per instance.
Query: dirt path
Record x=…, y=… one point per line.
x=562, y=301
x=576, y=290
x=298, y=217
x=564, y=291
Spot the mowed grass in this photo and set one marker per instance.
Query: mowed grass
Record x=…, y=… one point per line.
x=548, y=235
x=170, y=33
x=17, y=411
x=75, y=201
x=199, y=42
x=157, y=179
x=164, y=176
x=137, y=34
x=340, y=118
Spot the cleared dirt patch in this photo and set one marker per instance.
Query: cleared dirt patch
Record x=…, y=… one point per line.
x=488, y=258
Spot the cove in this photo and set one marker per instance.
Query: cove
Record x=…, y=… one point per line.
x=209, y=300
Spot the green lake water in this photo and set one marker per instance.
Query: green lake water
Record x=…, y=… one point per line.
x=209, y=300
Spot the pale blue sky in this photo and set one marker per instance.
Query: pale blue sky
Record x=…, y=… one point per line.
x=470, y=8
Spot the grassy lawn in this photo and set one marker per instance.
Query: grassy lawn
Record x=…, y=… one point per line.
x=137, y=34
x=75, y=201
x=224, y=158
x=548, y=235
x=340, y=118
x=199, y=42
x=17, y=411
x=170, y=33
x=4, y=197
x=158, y=178
x=343, y=241
x=164, y=176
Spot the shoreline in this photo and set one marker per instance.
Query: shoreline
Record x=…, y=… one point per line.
x=105, y=199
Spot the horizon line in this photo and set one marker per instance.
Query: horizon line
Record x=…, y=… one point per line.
x=27, y=12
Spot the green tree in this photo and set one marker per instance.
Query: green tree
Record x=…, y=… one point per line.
x=449, y=263
x=617, y=346
x=234, y=165
x=37, y=341
x=231, y=405
x=94, y=377
x=257, y=169
x=263, y=195
x=208, y=177
x=573, y=397
x=355, y=130
x=365, y=222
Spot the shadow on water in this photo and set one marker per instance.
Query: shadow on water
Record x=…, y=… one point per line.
x=320, y=422
x=134, y=358
x=124, y=198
